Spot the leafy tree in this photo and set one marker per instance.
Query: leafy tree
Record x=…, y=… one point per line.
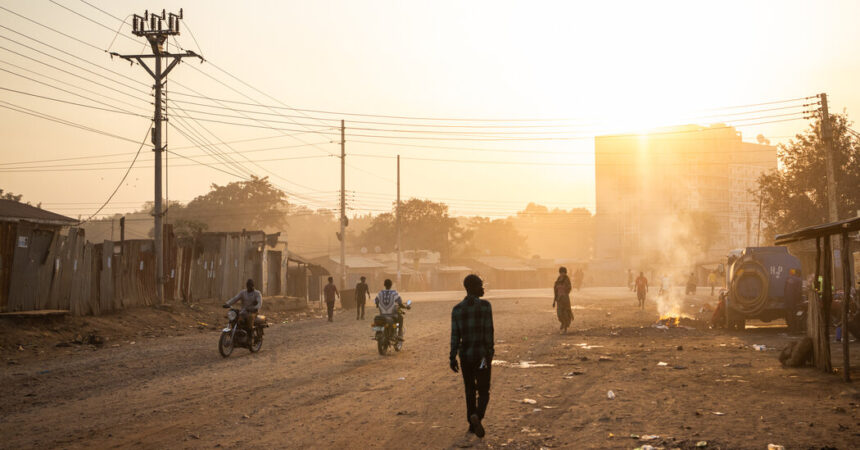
x=795, y=196
x=425, y=225
x=253, y=205
x=15, y=197
x=495, y=237
x=10, y=196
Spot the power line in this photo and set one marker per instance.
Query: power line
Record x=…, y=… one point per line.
x=122, y=180
x=67, y=62
x=23, y=110
x=69, y=73
x=70, y=102
x=129, y=153
x=115, y=108
x=453, y=119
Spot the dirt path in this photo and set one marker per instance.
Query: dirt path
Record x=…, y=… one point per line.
x=321, y=385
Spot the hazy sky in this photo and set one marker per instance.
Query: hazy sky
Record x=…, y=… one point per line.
x=601, y=66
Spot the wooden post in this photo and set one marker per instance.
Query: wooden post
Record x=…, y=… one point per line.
x=846, y=282
x=827, y=299
x=815, y=285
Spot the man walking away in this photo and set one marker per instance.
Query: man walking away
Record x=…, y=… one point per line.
x=472, y=339
x=361, y=293
x=641, y=289
x=329, y=292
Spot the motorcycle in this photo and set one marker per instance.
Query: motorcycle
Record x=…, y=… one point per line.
x=386, y=330
x=234, y=334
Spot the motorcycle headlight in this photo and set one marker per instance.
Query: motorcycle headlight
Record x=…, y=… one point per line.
x=231, y=315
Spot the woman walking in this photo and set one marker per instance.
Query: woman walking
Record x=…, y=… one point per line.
x=562, y=299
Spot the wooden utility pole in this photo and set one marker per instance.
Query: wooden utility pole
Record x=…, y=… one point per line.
x=397, y=215
x=151, y=26
x=829, y=167
x=846, y=277
x=827, y=137
x=342, y=205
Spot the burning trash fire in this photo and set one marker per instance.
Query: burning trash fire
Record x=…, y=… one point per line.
x=680, y=321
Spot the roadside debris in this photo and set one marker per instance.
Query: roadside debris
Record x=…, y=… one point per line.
x=521, y=364
x=610, y=395
x=529, y=401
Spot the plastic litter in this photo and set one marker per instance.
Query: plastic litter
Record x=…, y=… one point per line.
x=775, y=447
x=649, y=437
x=717, y=413
x=759, y=347
x=529, y=401
x=701, y=444
x=662, y=364
x=610, y=395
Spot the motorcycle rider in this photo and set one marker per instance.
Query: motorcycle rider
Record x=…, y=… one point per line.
x=252, y=301
x=388, y=300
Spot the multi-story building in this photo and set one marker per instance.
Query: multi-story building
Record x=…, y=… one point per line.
x=644, y=182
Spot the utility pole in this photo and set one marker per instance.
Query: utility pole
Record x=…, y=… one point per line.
x=151, y=27
x=832, y=208
x=827, y=137
x=342, y=205
x=397, y=216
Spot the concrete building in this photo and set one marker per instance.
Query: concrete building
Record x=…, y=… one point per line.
x=643, y=182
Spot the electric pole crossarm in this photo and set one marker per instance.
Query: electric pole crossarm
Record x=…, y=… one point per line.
x=190, y=53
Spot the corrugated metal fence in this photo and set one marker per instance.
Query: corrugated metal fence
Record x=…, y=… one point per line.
x=42, y=270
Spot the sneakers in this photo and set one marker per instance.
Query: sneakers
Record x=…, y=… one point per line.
x=477, y=428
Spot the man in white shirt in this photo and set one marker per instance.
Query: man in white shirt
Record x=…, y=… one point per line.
x=387, y=300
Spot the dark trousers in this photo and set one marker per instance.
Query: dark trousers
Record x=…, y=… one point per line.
x=330, y=307
x=476, y=381
x=359, y=309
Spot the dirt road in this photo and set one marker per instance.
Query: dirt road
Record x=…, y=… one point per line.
x=322, y=385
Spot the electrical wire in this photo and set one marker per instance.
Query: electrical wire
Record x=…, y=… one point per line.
x=122, y=180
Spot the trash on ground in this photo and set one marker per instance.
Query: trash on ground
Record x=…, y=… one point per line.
x=521, y=364
x=759, y=347
x=718, y=413
x=701, y=444
x=610, y=395
x=775, y=447
x=662, y=364
x=649, y=437
x=529, y=401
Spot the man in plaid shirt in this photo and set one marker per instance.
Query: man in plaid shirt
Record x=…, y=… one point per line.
x=472, y=339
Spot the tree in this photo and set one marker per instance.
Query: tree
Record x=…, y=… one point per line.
x=253, y=205
x=425, y=225
x=795, y=196
x=10, y=196
x=494, y=237
x=15, y=198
